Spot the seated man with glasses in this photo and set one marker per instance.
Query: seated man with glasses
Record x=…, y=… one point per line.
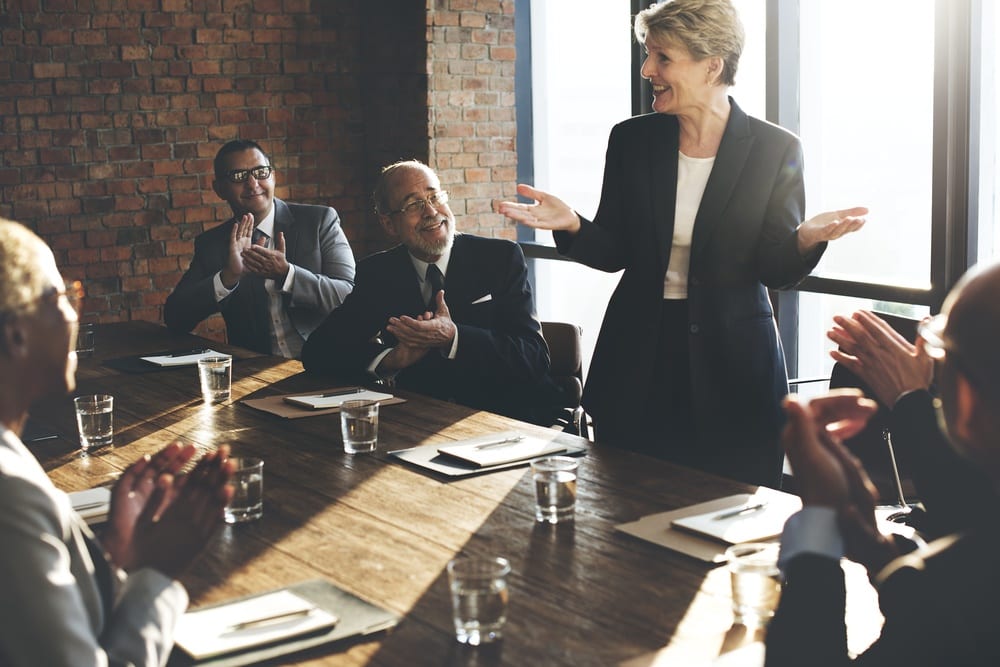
x=443, y=314
x=939, y=602
x=68, y=599
x=900, y=375
x=274, y=271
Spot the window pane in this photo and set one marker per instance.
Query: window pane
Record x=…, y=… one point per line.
x=989, y=175
x=749, y=91
x=867, y=75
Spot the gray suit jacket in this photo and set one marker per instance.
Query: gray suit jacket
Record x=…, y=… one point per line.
x=324, y=276
x=63, y=604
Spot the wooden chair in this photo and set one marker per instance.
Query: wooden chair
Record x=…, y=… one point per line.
x=566, y=369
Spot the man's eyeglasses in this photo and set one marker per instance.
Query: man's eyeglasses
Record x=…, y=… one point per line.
x=436, y=199
x=261, y=173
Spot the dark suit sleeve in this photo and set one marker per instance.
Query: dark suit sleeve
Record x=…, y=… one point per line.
x=512, y=347
x=599, y=244
x=193, y=299
x=808, y=627
x=779, y=263
x=346, y=342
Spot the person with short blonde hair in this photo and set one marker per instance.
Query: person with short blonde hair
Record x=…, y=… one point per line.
x=702, y=207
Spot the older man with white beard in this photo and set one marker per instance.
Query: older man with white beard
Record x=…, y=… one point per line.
x=444, y=314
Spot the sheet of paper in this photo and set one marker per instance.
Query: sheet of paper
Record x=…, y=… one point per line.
x=658, y=528
x=92, y=504
x=333, y=399
x=760, y=516
x=180, y=359
x=217, y=630
x=499, y=448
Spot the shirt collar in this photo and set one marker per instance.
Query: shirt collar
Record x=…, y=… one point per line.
x=421, y=266
x=267, y=224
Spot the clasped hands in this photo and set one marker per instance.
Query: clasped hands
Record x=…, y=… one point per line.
x=246, y=258
x=419, y=335
x=828, y=475
x=162, y=519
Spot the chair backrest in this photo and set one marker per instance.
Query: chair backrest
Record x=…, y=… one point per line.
x=566, y=361
x=869, y=445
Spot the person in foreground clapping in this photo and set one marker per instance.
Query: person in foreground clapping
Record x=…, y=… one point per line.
x=69, y=599
x=703, y=207
x=939, y=602
x=900, y=374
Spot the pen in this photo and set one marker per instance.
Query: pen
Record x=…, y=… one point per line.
x=741, y=510
x=342, y=392
x=500, y=443
x=185, y=354
x=267, y=620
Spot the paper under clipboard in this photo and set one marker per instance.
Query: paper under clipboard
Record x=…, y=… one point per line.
x=748, y=518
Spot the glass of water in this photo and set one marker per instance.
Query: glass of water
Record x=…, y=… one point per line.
x=555, y=488
x=248, y=490
x=756, y=581
x=359, y=426
x=216, y=376
x=94, y=419
x=478, y=598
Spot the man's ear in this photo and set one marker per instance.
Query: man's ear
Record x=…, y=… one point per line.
x=13, y=338
x=966, y=408
x=387, y=226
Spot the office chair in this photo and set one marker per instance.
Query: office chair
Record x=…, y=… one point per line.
x=566, y=369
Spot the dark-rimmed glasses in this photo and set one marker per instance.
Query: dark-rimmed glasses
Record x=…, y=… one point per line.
x=435, y=199
x=261, y=173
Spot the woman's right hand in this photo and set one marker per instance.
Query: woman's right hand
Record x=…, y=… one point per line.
x=548, y=211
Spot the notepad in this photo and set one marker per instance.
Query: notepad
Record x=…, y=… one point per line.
x=92, y=504
x=760, y=516
x=333, y=399
x=501, y=448
x=180, y=358
x=250, y=622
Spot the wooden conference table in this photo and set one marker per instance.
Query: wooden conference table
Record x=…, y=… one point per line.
x=580, y=594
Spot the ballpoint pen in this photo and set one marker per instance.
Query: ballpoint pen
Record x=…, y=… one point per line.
x=273, y=618
x=185, y=354
x=741, y=510
x=342, y=392
x=500, y=443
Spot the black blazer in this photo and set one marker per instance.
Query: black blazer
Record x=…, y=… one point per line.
x=502, y=361
x=940, y=608
x=743, y=241
x=324, y=275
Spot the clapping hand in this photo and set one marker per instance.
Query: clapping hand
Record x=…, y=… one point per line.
x=239, y=240
x=261, y=261
x=161, y=519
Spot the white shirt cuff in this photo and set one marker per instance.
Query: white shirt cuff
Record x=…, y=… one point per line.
x=454, y=345
x=286, y=287
x=812, y=530
x=221, y=291
x=373, y=366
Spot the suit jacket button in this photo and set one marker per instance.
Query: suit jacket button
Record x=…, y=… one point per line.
x=694, y=328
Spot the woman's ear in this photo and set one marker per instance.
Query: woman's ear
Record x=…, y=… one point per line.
x=13, y=337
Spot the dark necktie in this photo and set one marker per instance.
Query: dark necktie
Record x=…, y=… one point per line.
x=259, y=238
x=436, y=281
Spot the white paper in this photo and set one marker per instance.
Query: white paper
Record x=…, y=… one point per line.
x=759, y=524
x=320, y=402
x=184, y=360
x=92, y=504
x=208, y=632
x=499, y=448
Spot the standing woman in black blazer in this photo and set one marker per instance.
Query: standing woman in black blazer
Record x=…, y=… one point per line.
x=703, y=208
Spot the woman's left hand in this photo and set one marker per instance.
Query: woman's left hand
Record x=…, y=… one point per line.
x=829, y=226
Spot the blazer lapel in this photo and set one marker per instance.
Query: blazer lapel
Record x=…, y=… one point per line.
x=662, y=158
x=729, y=163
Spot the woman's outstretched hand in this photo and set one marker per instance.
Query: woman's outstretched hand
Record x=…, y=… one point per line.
x=829, y=226
x=548, y=211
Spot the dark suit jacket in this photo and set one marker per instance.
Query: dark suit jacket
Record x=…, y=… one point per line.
x=324, y=276
x=502, y=361
x=940, y=608
x=743, y=240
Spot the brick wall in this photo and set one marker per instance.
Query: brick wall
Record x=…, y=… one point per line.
x=471, y=108
x=111, y=112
